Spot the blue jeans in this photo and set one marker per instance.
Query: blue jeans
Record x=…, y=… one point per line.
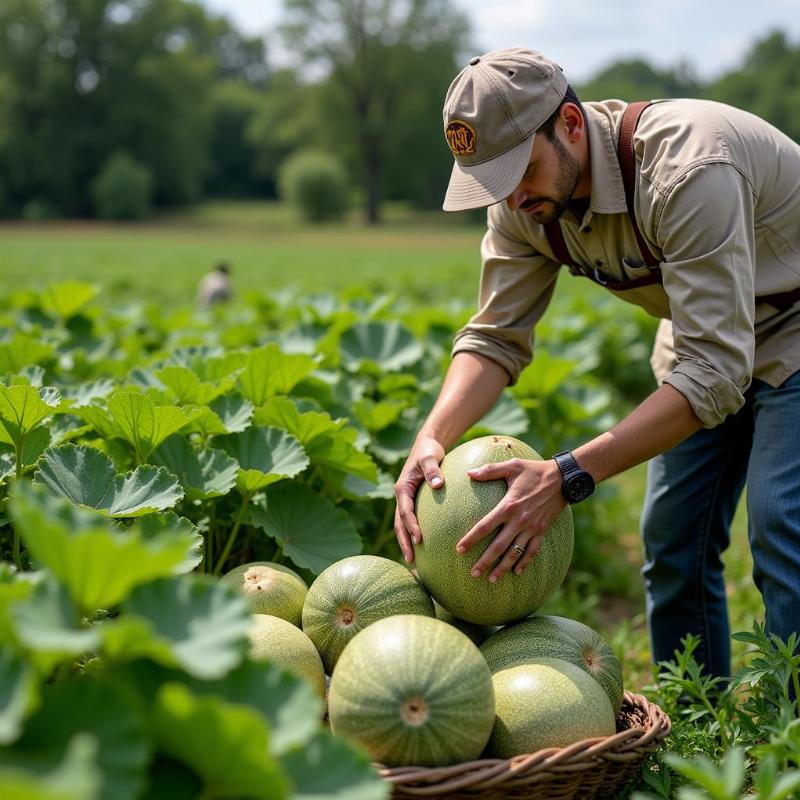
x=692, y=493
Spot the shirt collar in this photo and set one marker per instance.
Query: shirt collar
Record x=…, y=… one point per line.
x=608, y=191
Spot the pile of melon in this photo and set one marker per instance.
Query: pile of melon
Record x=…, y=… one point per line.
x=435, y=667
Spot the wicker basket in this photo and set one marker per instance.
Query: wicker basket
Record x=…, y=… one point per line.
x=593, y=768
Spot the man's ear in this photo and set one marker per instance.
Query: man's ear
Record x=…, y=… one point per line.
x=573, y=121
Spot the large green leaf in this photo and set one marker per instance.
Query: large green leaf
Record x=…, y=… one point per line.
x=77, y=777
x=327, y=768
x=309, y=528
x=19, y=694
x=270, y=372
x=87, y=477
x=201, y=623
x=292, y=707
x=98, y=563
x=265, y=455
x=14, y=587
x=506, y=417
x=151, y=526
x=203, y=473
x=48, y=623
x=86, y=393
x=64, y=299
x=188, y=388
x=546, y=376
x=134, y=417
x=234, y=411
x=328, y=442
x=379, y=347
x=22, y=408
x=21, y=351
x=227, y=745
x=96, y=706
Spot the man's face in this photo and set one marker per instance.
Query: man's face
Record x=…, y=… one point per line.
x=549, y=181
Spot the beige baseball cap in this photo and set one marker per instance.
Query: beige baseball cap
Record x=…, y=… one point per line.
x=491, y=113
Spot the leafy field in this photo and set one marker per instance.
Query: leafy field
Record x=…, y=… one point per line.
x=211, y=439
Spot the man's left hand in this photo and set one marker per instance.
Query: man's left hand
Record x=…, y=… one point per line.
x=531, y=504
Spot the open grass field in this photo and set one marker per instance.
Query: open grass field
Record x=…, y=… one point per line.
x=430, y=258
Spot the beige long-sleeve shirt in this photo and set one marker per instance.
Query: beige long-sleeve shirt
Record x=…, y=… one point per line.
x=717, y=201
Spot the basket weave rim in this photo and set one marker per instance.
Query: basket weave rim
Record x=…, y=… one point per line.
x=629, y=744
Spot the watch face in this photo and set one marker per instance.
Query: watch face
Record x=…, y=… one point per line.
x=580, y=487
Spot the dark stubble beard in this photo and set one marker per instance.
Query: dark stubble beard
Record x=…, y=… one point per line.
x=567, y=181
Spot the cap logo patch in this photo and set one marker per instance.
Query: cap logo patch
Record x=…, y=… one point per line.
x=461, y=137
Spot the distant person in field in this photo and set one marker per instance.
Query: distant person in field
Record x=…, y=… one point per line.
x=691, y=210
x=215, y=287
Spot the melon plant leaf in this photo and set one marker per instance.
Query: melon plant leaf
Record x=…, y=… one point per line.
x=85, y=394
x=506, y=417
x=151, y=526
x=265, y=455
x=546, y=377
x=75, y=778
x=47, y=622
x=270, y=372
x=203, y=623
x=292, y=707
x=203, y=473
x=206, y=423
x=359, y=488
x=234, y=411
x=394, y=442
x=97, y=706
x=188, y=388
x=95, y=561
x=377, y=416
x=327, y=768
x=379, y=347
x=22, y=351
x=226, y=745
x=64, y=299
x=144, y=424
x=8, y=466
x=328, y=442
x=87, y=477
x=22, y=408
x=19, y=694
x=309, y=528
x=14, y=587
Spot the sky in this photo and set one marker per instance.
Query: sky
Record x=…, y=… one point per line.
x=710, y=35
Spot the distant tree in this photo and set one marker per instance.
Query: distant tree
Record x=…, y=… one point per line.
x=376, y=56
x=123, y=190
x=82, y=79
x=635, y=79
x=316, y=185
x=767, y=83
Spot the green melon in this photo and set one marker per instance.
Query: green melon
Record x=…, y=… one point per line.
x=276, y=640
x=446, y=514
x=413, y=690
x=546, y=703
x=557, y=637
x=477, y=633
x=354, y=593
x=270, y=589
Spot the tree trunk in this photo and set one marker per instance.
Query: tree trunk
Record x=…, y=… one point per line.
x=372, y=165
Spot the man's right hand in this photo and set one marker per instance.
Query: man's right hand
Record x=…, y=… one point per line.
x=421, y=465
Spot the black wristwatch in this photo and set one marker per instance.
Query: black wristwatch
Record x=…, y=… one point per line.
x=576, y=483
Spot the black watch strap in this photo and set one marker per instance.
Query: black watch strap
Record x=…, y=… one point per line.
x=576, y=483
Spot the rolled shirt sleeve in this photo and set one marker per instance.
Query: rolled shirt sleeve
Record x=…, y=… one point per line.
x=706, y=231
x=516, y=286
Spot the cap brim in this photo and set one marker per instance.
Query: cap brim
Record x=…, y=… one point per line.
x=490, y=182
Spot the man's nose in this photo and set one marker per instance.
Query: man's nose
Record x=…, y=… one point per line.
x=516, y=198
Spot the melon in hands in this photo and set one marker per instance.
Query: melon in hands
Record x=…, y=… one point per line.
x=445, y=515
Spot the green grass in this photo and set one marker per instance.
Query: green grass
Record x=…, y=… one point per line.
x=429, y=257
x=266, y=246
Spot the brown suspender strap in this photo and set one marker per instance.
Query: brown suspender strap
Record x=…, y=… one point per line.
x=627, y=163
